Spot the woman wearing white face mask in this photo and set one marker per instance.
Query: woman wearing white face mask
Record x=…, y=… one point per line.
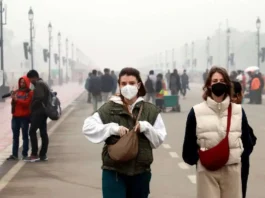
x=116, y=118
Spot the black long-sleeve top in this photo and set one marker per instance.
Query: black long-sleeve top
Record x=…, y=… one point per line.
x=190, y=153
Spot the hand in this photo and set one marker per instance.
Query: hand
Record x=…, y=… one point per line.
x=13, y=96
x=123, y=130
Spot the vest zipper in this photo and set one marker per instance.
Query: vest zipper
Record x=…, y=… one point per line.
x=219, y=118
x=117, y=179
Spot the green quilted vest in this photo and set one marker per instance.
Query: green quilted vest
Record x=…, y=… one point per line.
x=113, y=112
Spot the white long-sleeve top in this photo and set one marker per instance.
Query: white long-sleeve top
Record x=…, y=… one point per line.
x=97, y=132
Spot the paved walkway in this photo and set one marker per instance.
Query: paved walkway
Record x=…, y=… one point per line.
x=66, y=93
x=74, y=166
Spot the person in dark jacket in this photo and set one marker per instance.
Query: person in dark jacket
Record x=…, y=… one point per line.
x=261, y=88
x=94, y=87
x=107, y=85
x=21, y=100
x=174, y=83
x=86, y=87
x=38, y=117
x=237, y=98
x=184, y=83
x=115, y=82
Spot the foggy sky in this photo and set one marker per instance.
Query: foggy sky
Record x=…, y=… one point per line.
x=115, y=33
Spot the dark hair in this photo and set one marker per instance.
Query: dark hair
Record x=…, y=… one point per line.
x=237, y=88
x=223, y=72
x=151, y=72
x=94, y=72
x=129, y=71
x=160, y=76
x=33, y=74
x=106, y=70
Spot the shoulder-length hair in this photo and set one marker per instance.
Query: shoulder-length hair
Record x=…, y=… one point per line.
x=129, y=71
x=207, y=85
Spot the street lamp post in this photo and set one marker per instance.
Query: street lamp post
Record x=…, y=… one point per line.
x=50, y=53
x=31, y=17
x=192, y=55
x=66, y=55
x=2, y=42
x=228, y=49
x=186, y=56
x=72, y=66
x=207, y=51
x=173, y=59
x=59, y=58
x=258, y=24
x=3, y=88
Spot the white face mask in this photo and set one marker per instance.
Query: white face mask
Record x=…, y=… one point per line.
x=129, y=91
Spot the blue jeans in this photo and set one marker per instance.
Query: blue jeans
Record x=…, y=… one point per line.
x=17, y=124
x=115, y=185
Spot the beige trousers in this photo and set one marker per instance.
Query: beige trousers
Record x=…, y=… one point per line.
x=223, y=183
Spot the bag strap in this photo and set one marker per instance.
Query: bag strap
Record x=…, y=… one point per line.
x=140, y=112
x=229, y=115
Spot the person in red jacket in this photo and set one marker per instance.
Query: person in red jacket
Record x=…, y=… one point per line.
x=20, y=103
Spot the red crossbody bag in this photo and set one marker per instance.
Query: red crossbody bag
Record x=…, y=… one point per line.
x=216, y=157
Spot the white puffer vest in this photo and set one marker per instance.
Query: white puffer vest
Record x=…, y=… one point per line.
x=211, y=118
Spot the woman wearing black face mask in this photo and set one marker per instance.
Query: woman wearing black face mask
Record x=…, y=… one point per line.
x=214, y=145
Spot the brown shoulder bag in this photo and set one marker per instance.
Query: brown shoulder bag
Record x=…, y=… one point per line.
x=126, y=148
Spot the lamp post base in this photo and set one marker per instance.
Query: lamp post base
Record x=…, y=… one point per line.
x=3, y=90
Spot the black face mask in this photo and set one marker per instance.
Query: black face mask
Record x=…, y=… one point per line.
x=219, y=89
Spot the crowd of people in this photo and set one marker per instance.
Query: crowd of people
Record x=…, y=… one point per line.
x=218, y=137
x=100, y=86
x=156, y=86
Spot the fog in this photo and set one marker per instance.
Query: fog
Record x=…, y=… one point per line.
x=119, y=33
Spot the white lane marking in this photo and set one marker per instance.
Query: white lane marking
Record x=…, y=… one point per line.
x=183, y=165
x=15, y=169
x=166, y=146
x=173, y=154
x=192, y=178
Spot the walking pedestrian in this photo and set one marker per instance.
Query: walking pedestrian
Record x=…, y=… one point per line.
x=245, y=158
x=116, y=118
x=94, y=87
x=115, y=82
x=209, y=136
x=150, y=86
x=107, y=85
x=184, y=83
x=87, y=88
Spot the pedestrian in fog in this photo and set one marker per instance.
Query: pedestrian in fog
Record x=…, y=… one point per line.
x=115, y=82
x=38, y=117
x=210, y=137
x=237, y=98
x=20, y=105
x=94, y=87
x=107, y=85
x=113, y=120
x=174, y=83
x=87, y=88
x=150, y=86
x=184, y=83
